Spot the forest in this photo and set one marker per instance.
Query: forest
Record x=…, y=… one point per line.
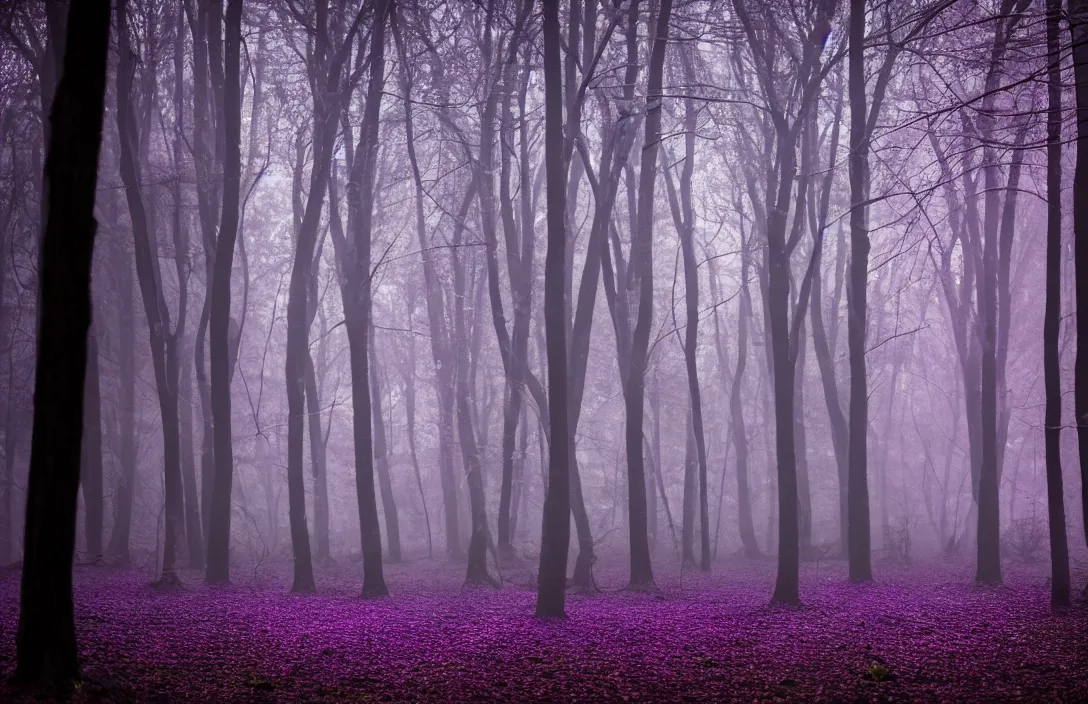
x=543, y=350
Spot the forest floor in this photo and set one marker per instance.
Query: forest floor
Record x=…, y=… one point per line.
x=919, y=633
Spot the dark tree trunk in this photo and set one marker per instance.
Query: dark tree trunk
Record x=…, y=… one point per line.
x=804, y=493
x=46, y=640
x=1078, y=29
x=205, y=152
x=745, y=526
x=118, y=547
x=218, y=570
x=520, y=270
x=1055, y=494
x=519, y=490
x=91, y=471
x=555, y=528
x=654, y=398
x=193, y=527
x=356, y=295
x=302, y=302
x=193, y=532
x=836, y=418
x=163, y=344
x=856, y=305
x=687, y=530
x=317, y=463
x=381, y=454
x=642, y=575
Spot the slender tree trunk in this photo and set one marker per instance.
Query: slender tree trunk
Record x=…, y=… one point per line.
x=1078, y=29
x=381, y=454
x=655, y=451
x=356, y=293
x=163, y=346
x=856, y=307
x=804, y=492
x=126, y=371
x=205, y=152
x=219, y=317
x=193, y=532
x=642, y=261
x=318, y=464
x=687, y=530
x=836, y=418
x=555, y=528
x=1055, y=493
x=684, y=217
x=193, y=527
x=746, y=526
x=46, y=640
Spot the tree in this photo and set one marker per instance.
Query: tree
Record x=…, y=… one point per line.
x=555, y=529
x=164, y=343
x=1059, y=549
x=324, y=69
x=354, y=257
x=381, y=452
x=805, y=74
x=1078, y=29
x=684, y=218
x=634, y=386
x=46, y=640
x=858, y=486
x=193, y=527
x=219, y=316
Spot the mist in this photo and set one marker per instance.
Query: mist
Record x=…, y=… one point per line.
x=633, y=350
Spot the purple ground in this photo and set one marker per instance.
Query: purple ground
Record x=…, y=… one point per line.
x=928, y=634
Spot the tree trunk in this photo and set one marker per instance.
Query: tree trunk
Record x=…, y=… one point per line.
x=1055, y=494
x=745, y=526
x=804, y=493
x=856, y=307
x=118, y=547
x=1078, y=29
x=642, y=262
x=163, y=345
x=205, y=153
x=687, y=530
x=218, y=569
x=836, y=418
x=46, y=640
x=356, y=294
x=555, y=527
x=193, y=526
x=381, y=454
x=193, y=531
x=91, y=470
x=317, y=463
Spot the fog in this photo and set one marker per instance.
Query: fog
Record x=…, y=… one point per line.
x=555, y=299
